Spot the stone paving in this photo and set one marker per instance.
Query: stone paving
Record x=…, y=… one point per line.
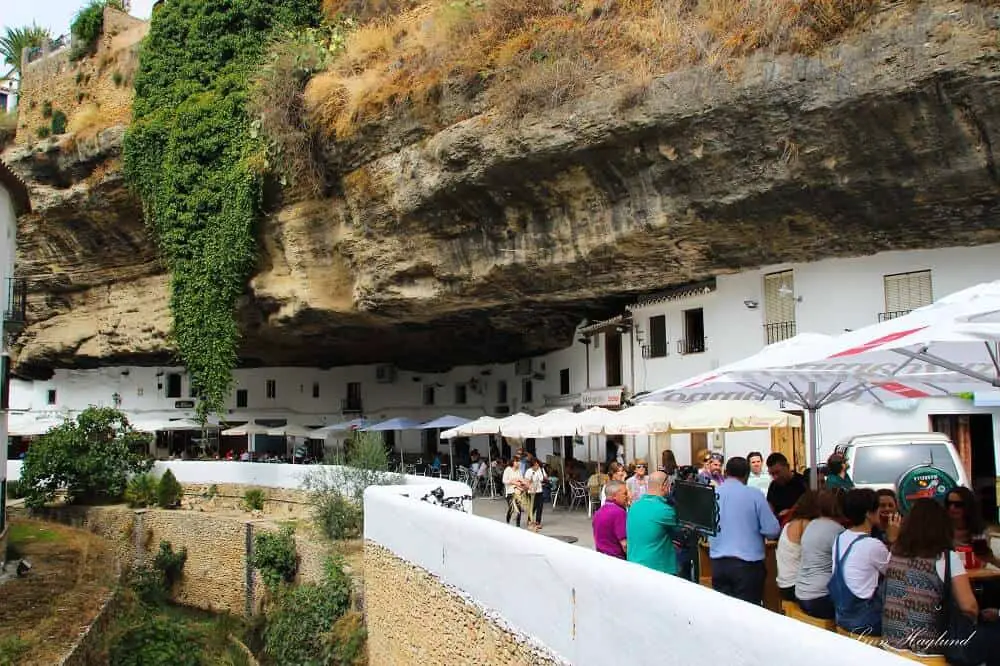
x=557, y=522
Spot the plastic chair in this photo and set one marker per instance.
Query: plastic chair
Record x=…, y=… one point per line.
x=792, y=610
x=578, y=493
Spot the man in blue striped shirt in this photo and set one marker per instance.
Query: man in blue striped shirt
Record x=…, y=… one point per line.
x=745, y=520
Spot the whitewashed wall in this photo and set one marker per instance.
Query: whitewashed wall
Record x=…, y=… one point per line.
x=8, y=236
x=593, y=609
x=267, y=475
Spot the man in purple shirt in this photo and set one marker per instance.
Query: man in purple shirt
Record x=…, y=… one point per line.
x=609, y=521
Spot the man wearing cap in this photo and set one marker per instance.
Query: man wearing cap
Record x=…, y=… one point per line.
x=638, y=483
x=711, y=473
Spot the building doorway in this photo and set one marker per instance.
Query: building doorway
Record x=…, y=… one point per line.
x=790, y=443
x=613, y=358
x=699, y=445
x=972, y=435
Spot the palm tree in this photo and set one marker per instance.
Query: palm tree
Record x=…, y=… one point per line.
x=14, y=41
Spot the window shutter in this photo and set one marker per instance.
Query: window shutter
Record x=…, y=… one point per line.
x=908, y=291
x=779, y=307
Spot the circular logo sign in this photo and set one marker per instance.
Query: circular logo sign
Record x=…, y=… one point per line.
x=923, y=482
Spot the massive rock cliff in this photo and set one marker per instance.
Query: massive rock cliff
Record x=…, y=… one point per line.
x=488, y=240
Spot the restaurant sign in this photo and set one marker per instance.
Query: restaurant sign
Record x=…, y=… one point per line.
x=924, y=482
x=606, y=397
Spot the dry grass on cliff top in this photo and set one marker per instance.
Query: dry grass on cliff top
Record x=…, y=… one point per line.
x=531, y=55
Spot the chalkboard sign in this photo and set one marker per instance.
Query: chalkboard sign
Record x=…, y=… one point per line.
x=923, y=482
x=697, y=506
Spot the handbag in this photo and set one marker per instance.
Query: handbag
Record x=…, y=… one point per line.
x=959, y=649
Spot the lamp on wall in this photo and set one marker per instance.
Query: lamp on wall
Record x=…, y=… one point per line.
x=116, y=398
x=751, y=304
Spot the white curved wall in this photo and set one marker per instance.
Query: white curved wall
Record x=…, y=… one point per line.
x=592, y=609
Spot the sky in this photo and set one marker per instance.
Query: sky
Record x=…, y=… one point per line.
x=55, y=15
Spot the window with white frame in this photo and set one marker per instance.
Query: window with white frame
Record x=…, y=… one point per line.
x=905, y=292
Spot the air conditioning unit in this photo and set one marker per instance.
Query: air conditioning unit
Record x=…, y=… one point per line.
x=385, y=374
x=523, y=367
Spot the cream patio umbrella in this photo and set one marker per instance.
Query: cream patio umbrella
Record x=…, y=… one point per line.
x=732, y=415
x=249, y=429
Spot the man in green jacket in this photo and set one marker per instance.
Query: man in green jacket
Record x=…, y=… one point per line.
x=651, y=526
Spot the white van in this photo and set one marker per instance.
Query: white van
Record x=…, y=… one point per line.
x=878, y=460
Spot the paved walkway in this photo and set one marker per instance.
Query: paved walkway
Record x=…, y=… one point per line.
x=558, y=522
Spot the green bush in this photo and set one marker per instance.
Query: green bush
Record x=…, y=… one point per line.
x=253, y=499
x=91, y=458
x=153, y=583
x=87, y=26
x=194, y=158
x=141, y=491
x=170, y=564
x=274, y=557
x=15, y=489
x=47, y=109
x=169, y=491
x=337, y=492
x=345, y=643
x=117, y=79
x=153, y=640
x=337, y=516
x=58, y=122
x=43, y=132
x=298, y=629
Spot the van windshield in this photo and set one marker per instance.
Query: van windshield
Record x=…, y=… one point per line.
x=884, y=464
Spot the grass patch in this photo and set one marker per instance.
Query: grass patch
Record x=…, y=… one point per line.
x=522, y=56
x=22, y=534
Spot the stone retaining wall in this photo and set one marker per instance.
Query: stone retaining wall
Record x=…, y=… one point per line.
x=414, y=618
x=87, y=649
x=216, y=572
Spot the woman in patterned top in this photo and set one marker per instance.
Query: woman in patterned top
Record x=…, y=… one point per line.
x=913, y=616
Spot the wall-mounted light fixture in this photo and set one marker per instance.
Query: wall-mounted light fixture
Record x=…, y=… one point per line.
x=585, y=340
x=751, y=304
x=116, y=398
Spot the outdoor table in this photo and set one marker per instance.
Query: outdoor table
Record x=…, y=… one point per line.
x=772, y=596
x=983, y=573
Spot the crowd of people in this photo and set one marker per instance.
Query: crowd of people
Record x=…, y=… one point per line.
x=843, y=553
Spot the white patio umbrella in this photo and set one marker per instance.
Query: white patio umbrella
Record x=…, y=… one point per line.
x=593, y=421
x=642, y=420
x=292, y=430
x=556, y=423
x=31, y=427
x=249, y=429
x=732, y=415
x=183, y=424
x=446, y=421
x=510, y=424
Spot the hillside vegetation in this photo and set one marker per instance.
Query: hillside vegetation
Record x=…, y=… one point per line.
x=436, y=58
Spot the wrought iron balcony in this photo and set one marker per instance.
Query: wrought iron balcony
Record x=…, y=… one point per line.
x=349, y=406
x=15, y=314
x=778, y=331
x=886, y=316
x=692, y=346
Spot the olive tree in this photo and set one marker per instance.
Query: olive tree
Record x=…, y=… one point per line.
x=90, y=458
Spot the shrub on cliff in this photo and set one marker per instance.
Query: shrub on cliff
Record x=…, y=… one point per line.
x=169, y=491
x=337, y=492
x=90, y=458
x=87, y=26
x=274, y=557
x=141, y=491
x=298, y=629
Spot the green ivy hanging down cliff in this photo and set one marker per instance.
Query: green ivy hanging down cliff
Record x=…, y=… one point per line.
x=192, y=156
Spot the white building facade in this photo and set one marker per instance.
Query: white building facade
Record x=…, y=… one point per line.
x=659, y=340
x=13, y=202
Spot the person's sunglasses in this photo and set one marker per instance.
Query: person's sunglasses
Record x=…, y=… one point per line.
x=643, y=466
x=958, y=503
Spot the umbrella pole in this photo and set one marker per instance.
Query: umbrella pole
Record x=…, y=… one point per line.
x=813, y=443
